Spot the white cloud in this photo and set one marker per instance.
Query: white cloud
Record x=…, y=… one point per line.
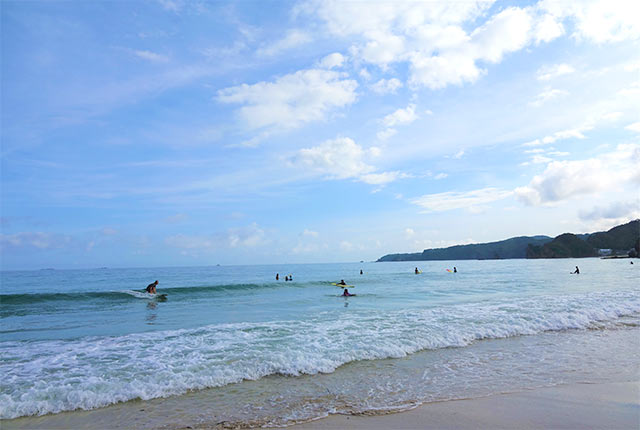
x=364, y=74
x=549, y=72
x=34, y=241
x=346, y=246
x=332, y=60
x=601, y=21
x=444, y=42
x=455, y=200
x=437, y=72
x=249, y=237
x=342, y=158
x=540, y=159
x=291, y=100
x=615, y=211
x=191, y=242
x=440, y=176
x=177, y=218
x=151, y=56
x=386, y=133
x=339, y=158
x=458, y=155
x=506, y=32
x=401, y=116
x=292, y=39
x=309, y=233
x=548, y=94
x=381, y=178
x=564, y=180
x=172, y=5
x=385, y=86
x=575, y=133
x=547, y=28
x=634, y=127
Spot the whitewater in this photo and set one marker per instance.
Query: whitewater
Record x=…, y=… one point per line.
x=87, y=339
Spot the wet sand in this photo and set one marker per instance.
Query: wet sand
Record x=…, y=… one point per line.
x=614, y=405
x=580, y=406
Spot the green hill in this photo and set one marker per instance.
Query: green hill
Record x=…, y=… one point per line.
x=516, y=247
x=620, y=239
x=564, y=246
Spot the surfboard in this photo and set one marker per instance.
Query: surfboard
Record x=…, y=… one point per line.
x=343, y=286
x=449, y=270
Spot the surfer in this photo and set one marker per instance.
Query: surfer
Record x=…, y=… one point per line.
x=577, y=272
x=455, y=270
x=417, y=271
x=151, y=288
x=346, y=293
x=361, y=269
x=277, y=276
x=341, y=282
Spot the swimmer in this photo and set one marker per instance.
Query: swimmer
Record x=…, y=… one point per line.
x=151, y=288
x=346, y=293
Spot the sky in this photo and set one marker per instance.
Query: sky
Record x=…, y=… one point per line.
x=185, y=133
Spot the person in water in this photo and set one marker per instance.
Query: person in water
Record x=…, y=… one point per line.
x=341, y=282
x=277, y=276
x=577, y=272
x=455, y=270
x=417, y=271
x=361, y=269
x=151, y=288
x=346, y=293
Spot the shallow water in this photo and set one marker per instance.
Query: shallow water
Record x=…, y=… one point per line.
x=87, y=339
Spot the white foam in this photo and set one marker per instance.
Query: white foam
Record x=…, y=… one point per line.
x=139, y=294
x=53, y=376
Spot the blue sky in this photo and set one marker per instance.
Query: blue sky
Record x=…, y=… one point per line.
x=152, y=133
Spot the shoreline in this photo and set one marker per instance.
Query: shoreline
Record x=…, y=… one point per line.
x=611, y=405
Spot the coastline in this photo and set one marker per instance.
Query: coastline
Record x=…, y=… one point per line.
x=611, y=405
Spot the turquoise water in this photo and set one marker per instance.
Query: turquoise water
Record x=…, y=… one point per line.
x=92, y=338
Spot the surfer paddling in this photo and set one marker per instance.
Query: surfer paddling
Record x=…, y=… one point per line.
x=151, y=288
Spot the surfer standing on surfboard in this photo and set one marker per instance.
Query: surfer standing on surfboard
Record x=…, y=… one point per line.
x=151, y=288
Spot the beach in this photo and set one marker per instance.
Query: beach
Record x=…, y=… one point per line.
x=578, y=406
x=613, y=405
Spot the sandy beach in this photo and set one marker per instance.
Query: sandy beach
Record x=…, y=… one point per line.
x=614, y=405
x=579, y=406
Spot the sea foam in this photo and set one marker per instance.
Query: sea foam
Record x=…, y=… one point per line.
x=49, y=376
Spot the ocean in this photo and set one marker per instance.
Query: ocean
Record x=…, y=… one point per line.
x=231, y=346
